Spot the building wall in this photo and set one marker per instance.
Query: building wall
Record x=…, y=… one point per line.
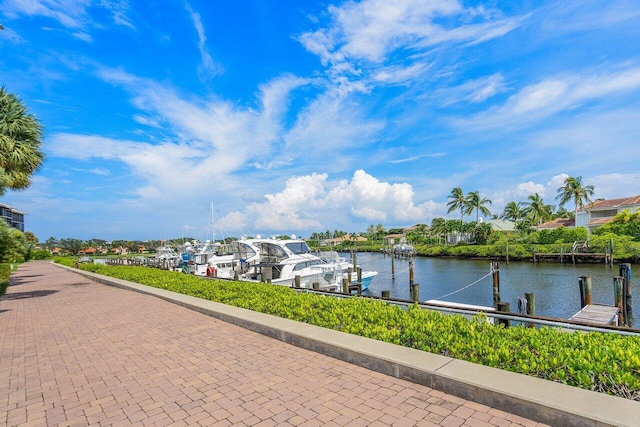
x=13, y=217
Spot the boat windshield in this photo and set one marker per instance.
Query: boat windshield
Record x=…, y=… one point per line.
x=298, y=247
x=272, y=253
x=242, y=251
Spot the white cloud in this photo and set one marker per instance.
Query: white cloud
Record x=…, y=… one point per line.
x=471, y=91
x=615, y=185
x=120, y=11
x=313, y=202
x=208, y=67
x=72, y=14
x=370, y=29
x=328, y=127
x=550, y=96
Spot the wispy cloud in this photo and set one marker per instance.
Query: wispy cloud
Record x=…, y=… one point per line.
x=370, y=30
x=71, y=14
x=208, y=67
x=417, y=157
x=552, y=95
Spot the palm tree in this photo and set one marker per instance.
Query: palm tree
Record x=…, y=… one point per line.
x=473, y=201
x=457, y=201
x=513, y=212
x=20, y=143
x=574, y=190
x=439, y=228
x=536, y=211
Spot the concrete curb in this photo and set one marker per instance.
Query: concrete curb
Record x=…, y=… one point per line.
x=544, y=401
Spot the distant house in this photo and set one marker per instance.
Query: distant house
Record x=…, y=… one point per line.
x=394, y=239
x=13, y=217
x=343, y=239
x=88, y=251
x=601, y=212
x=557, y=223
x=501, y=225
x=456, y=237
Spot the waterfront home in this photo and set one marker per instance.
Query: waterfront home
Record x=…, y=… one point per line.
x=557, y=223
x=501, y=224
x=603, y=211
x=347, y=238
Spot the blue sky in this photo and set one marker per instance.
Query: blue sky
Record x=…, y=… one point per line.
x=293, y=117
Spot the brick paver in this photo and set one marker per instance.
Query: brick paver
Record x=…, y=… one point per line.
x=77, y=353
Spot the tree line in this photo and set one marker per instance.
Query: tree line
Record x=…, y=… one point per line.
x=527, y=214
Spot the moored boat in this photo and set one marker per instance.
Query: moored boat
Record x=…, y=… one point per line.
x=282, y=261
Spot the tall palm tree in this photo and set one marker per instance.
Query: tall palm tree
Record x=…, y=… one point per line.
x=473, y=201
x=536, y=211
x=457, y=201
x=573, y=189
x=20, y=143
x=439, y=228
x=513, y=212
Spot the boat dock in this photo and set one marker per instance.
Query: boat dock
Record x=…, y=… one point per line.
x=597, y=314
x=574, y=257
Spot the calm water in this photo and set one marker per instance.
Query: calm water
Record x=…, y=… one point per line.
x=555, y=285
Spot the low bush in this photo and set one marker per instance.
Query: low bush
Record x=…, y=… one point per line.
x=606, y=363
x=5, y=272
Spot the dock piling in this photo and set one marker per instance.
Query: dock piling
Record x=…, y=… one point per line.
x=414, y=290
x=618, y=286
x=531, y=306
x=504, y=307
x=585, y=290
x=495, y=268
x=625, y=272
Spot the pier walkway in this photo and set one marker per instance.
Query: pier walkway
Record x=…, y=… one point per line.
x=74, y=352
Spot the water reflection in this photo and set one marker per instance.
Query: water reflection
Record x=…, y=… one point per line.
x=555, y=285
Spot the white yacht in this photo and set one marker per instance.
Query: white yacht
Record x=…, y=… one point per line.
x=207, y=259
x=283, y=260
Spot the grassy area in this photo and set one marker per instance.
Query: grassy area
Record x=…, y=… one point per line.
x=601, y=362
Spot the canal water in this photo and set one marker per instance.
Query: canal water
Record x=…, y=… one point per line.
x=555, y=285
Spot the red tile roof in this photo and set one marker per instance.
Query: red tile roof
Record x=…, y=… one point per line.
x=558, y=222
x=613, y=203
x=600, y=221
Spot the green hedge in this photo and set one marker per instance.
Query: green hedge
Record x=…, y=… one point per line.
x=605, y=363
x=5, y=272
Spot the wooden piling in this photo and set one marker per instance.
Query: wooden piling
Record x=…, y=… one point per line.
x=625, y=272
x=296, y=282
x=316, y=286
x=393, y=269
x=531, y=307
x=414, y=290
x=618, y=282
x=504, y=307
x=386, y=294
x=495, y=268
x=585, y=290
x=410, y=273
x=345, y=285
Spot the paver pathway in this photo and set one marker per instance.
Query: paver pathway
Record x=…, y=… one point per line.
x=77, y=353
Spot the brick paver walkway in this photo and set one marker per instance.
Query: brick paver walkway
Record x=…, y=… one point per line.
x=73, y=352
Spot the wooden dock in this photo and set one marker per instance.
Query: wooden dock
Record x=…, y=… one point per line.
x=597, y=314
x=574, y=257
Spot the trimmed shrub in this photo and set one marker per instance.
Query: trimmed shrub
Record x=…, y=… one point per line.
x=5, y=272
